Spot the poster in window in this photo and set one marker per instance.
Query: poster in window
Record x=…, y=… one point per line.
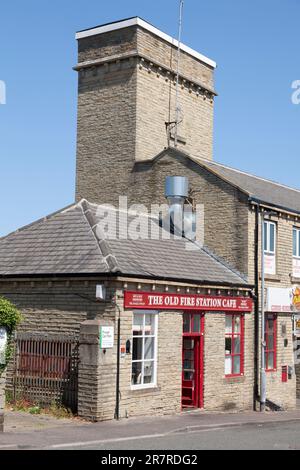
x=296, y=267
x=270, y=264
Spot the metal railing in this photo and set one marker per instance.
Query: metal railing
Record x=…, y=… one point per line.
x=46, y=370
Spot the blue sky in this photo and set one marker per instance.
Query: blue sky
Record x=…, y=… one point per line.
x=254, y=42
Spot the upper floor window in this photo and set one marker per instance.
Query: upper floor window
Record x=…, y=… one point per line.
x=296, y=242
x=270, y=238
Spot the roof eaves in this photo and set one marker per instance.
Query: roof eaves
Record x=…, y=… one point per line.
x=132, y=276
x=261, y=202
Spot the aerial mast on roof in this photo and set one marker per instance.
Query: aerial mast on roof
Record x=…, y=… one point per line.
x=177, y=105
x=173, y=125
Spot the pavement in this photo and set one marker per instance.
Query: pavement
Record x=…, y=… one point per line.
x=25, y=431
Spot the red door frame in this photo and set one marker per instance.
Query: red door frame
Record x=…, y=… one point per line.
x=198, y=337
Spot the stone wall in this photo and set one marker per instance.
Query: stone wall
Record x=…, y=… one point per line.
x=124, y=102
x=297, y=372
x=69, y=308
x=2, y=400
x=156, y=104
x=56, y=307
x=165, y=397
x=106, y=131
x=109, y=44
x=220, y=392
x=97, y=373
x=159, y=51
x=281, y=393
x=225, y=208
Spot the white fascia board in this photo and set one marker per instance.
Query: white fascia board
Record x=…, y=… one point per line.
x=143, y=24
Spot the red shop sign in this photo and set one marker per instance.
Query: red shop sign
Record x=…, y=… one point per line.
x=157, y=301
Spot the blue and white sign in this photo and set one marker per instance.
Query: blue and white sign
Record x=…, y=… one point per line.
x=3, y=345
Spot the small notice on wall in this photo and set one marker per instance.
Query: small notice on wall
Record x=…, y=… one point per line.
x=3, y=344
x=296, y=267
x=106, y=337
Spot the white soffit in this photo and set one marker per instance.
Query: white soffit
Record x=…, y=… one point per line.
x=143, y=24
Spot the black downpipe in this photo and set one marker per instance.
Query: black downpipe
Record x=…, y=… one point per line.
x=117, y=409
x=256, y=319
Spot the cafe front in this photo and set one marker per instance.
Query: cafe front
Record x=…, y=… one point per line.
x=208, y=340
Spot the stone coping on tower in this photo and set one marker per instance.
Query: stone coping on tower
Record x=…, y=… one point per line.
x=136, y=21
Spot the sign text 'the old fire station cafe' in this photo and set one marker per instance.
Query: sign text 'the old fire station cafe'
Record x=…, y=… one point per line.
x=149, y=300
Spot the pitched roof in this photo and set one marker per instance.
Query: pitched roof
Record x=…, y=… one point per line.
x=261, y=189
x=73, y=241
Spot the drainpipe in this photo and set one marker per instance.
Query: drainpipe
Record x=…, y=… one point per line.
x=256, y=319
x=263, y=344
x=117, y=408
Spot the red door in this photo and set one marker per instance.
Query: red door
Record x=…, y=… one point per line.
x=192, y=360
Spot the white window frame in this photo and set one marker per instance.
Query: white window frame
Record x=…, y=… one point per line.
x=268, y=250
x=297, y=230
x=154, y=383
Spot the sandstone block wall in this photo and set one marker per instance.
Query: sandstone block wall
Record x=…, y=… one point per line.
x=220, y=392
x=126, y=95
x=225, y=208
x=282, y=393
x=55, y=307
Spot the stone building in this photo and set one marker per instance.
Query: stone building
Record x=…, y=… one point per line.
x=185, y=337
x=184, y=330
x=233, y=200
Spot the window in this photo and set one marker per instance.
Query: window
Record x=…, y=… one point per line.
x=192, y=324
x=144, y=346
x=296, y=242
x=234, y=345
x=270, y=238
x=270, y=339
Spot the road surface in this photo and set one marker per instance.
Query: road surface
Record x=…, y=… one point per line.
x=271, y=436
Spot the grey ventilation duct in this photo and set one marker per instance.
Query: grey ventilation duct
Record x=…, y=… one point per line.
x=177, y=189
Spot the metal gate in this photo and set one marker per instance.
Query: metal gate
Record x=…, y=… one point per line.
x=46, y=370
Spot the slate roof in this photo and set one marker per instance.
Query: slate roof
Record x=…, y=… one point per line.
x=264, y=190
x=72, y=242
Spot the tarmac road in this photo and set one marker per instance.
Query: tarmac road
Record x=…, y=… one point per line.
x=275, y=436
x=186, y=431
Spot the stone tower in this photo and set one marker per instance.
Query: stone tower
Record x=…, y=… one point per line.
x=126, y=97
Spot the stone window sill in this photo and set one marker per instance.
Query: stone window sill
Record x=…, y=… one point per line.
x=144, y=390
x=234, y=380
x=272, y=277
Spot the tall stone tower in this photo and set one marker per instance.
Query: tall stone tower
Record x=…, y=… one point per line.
x=126, y=102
